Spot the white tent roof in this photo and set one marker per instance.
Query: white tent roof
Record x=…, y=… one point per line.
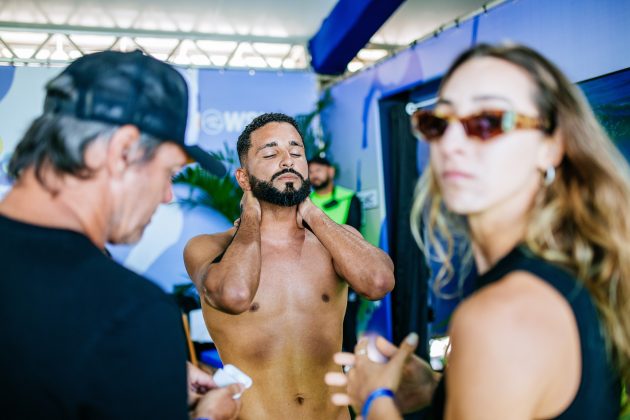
x=236, y=33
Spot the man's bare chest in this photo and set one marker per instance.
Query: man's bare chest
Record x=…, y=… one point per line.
x=297, y=277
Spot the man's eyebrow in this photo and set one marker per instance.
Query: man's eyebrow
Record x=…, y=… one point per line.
x=295, y=143
x=270, y=144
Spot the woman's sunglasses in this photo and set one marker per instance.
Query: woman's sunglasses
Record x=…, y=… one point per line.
x=483, y=125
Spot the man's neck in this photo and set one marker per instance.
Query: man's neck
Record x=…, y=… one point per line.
x=69, y=208
x=276, y=219
x=328, y=189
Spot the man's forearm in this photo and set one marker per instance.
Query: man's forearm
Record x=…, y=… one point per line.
x=231, y=284
x=366, y=268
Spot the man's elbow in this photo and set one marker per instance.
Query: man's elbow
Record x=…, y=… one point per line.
x=381, y=283
x=232, y=300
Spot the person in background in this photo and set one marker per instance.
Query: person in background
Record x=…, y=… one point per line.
x=341, y=205
x=84, y=337
x=521, y=168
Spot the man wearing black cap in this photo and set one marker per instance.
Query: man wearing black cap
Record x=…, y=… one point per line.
x=339, y=203
x=82, y=336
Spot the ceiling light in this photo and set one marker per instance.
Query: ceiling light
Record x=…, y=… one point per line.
x=371, y=54
x=354, y=66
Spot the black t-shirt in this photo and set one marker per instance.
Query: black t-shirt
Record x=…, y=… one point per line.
x=599, y=393
x=81, y=336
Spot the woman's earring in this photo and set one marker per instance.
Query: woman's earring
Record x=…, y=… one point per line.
x=550, y=175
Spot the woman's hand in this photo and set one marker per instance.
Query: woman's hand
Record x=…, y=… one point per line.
x=365, y=376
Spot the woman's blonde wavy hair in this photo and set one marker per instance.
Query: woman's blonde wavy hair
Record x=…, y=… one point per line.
x=581, y=221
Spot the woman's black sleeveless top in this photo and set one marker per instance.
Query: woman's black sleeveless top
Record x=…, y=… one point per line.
x=599, y=394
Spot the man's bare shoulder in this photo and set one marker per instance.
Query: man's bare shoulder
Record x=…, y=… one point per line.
x=210, y=240
x=203, y=248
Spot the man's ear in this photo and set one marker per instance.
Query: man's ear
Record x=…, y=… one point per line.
x=332, y=172
x=243, y=179
x=120, y=147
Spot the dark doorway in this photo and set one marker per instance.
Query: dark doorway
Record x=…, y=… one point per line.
x=409, y=297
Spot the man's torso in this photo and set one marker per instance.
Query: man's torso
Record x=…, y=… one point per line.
x=287, y=338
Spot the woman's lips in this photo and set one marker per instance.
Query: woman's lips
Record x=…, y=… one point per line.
x=455, y=175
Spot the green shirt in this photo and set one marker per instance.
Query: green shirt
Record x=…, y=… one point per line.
x=336, y=204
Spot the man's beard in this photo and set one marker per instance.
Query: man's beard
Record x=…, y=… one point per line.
x=265, y=191
x=322, y=185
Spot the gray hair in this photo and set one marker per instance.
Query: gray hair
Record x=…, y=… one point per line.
x=59, y=142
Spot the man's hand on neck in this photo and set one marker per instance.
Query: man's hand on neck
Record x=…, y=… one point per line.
x=250, y=206
x=305, y=211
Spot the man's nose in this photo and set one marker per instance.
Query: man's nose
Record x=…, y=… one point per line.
x=168, y=194
x=287, y=161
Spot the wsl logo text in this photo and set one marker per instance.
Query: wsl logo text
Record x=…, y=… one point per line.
x=214, y=122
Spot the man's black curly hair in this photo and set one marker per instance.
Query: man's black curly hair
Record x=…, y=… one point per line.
x=244, y=140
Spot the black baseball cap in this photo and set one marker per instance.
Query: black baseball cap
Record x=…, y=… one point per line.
x=130, y=88
x=321, y=160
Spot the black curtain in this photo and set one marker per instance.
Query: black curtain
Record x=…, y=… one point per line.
x=409, y=297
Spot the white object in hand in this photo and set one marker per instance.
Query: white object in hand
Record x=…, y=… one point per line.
x=230, y=374
x=373, y=352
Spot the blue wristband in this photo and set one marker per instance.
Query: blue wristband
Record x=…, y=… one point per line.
x=377, y=393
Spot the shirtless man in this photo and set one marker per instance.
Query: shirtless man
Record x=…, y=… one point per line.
x=274, y=293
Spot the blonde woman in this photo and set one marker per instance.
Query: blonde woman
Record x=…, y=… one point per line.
x=518, y=162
